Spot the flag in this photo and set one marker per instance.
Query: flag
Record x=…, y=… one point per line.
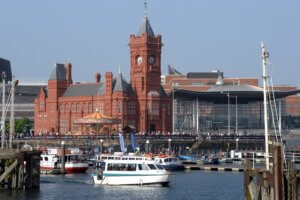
x=133, y=143
x=122, y=145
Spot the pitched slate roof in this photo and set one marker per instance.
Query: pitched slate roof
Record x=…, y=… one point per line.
x=162, y=92
x=59, y=72
x=91, y=89
x=5, y=67
x=173, y=71
x=146, y=28
x=120, y=85
x=124, y=87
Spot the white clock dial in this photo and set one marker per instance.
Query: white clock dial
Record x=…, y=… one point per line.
x=139, y=60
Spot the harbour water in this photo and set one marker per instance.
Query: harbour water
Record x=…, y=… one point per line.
x=200, y=185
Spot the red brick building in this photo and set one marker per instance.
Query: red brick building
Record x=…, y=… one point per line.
x=142, y=103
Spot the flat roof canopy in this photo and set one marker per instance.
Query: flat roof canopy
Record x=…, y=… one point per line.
x=244, y=93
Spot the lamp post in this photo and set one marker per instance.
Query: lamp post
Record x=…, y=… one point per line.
x=236, y=115
x=101, y=146
x=169, y=145
x=237, y=144
x=228, y=111
x=173, y=108
x=147, y=145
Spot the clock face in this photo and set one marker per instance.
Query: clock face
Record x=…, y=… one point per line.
x=139, y=60
x=151, y=60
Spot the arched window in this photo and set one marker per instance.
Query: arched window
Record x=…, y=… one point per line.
x=61, y=108
x=67, y=107
x=78, y=107
x=90, y=107
x=73, y=107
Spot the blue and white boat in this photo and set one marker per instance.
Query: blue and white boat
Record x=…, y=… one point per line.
x=169, y=163
x=130, y=172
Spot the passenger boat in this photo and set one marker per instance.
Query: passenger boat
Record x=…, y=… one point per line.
x=169, y=163
x=74, y=160
x=130, y=172
x=118, y=156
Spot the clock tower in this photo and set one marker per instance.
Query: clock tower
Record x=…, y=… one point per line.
x=145, y=60
x=145, y=73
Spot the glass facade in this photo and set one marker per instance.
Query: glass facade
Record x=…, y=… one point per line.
x=215, y=115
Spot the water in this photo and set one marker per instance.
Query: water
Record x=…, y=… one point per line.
x=200, y=185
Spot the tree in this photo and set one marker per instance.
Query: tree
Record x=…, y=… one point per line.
x=23, y=125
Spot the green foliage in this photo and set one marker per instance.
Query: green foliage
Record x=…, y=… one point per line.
x=23, y=125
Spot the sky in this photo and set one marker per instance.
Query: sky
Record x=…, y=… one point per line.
x=198, y=36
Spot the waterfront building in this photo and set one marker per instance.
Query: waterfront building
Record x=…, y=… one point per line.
x=142, y=103
x=205, y=101
x=149, y=102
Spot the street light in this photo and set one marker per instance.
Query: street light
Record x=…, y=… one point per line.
x=237, y=144
x=228, y=111
x=147, y=145
x=236, y=115
x=169, y=145
x=173, y=99
x=101, y=145
x=228, y=108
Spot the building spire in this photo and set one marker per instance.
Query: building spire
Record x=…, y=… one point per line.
x=146, y=27
x=145, y=4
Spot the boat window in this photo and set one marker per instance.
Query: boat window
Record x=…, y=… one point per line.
x=160, y=167
x=131, y=167
x=46, y=158
x=110, y=158
x=121, y=167
x=124, y=158
x=152, y=167
x=117, y=158
x=173, y=159
x=104, y=158
x=102, y=165
x=142, y=167
x=131, y=158
x=167, y=160
x=139, y=158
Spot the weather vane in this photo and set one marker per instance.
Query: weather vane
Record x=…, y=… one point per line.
x=145, y=3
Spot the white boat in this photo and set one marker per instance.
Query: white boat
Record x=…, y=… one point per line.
x=130, y=172
x=118, y=156
x=74, y=162
x=169, y=163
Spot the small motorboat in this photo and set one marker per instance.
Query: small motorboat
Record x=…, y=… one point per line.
x=74, y=161
x=169, y=163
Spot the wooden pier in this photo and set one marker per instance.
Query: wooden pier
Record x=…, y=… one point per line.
x=19, y=169
x=281, y=182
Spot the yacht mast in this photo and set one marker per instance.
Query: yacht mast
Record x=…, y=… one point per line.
x=3, y=112
x=265, y=56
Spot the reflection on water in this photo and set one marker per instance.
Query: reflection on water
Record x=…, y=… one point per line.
x=186, y=185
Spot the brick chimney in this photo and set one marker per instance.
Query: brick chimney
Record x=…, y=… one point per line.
x=69, y=74
x=98, y=77
x=108, y=77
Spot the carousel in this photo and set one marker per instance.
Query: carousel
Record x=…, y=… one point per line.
x=96, y=124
